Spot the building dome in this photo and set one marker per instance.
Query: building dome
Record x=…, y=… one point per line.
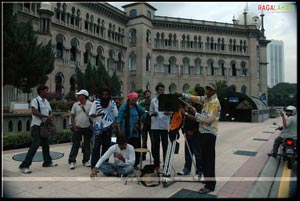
x=45, y=6
x=252, y=19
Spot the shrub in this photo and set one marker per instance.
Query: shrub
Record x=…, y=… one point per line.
x=16, y=140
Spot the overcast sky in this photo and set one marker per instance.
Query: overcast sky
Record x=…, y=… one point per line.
x=279, y=25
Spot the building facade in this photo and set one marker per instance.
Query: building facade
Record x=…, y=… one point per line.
x=275, y=55
x=145, y=49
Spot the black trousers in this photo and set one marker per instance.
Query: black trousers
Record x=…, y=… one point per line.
x=208, y=143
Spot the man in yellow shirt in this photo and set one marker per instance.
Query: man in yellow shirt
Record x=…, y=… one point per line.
x=208, y=128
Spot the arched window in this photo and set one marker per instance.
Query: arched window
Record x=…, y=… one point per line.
x=59, y=46
x=132, y=37
x=172, y=88
x=173, y=68
x=10, y=126
x=185, y=87
x=210, y=66
x=243, y=69
x=197, y=66
x=234, y=44
x=222, y=45
x=100, y=57
x=148, y=14
x=120, y=62
x=132, y=13
x=243, y=89
x=148, y=62
x=183, y=41
x=87, y=54
x=111, y=64
x=19, y=125
x=148, y=37
x=222, y=67
x=233, y=69
x=132, y=62
x=160, y=64
x=186, y=66
x=74, y=45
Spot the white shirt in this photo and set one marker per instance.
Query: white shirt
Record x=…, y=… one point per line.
x=161, y=121
x=81, y=117
x=44, y=107
x=127, y=153
x=111, y=112
x=291, y=128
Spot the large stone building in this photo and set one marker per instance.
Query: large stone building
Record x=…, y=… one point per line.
x=145, y=49
x=275, y=54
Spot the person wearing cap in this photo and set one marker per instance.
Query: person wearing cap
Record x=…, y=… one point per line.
x=81, y=126
x=128, y=122
x=104, y=113
x=208, y=129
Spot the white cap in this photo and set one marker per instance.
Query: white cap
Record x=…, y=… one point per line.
x=83, y=92
x=211, y=85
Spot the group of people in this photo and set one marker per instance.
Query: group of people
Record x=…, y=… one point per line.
x=133, y=121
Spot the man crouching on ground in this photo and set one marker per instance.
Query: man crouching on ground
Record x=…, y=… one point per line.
x=124, y=159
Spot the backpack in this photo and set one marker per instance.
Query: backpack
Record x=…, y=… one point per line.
x=149, y=177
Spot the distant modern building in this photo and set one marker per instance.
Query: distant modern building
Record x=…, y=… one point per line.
x=145, y=49
x=275, y=55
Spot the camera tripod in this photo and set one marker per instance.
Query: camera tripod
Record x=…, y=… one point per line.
x=167, y=179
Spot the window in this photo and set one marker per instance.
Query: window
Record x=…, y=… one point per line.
x=148, y=62
x=132, y=62
x=233, y=70
x=132, y=13
x=148, y=36
x=132, y=37
x=148, y=14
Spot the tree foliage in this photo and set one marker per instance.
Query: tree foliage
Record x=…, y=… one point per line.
x=94, y=79
x=26, y=63
x=283, y=94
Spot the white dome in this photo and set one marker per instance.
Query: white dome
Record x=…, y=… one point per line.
x=252, y=19
x=45, y=6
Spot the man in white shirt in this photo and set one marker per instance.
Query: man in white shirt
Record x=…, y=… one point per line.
x=81, y=126
x=160, y=122
x=124, y=159
x=41, y=112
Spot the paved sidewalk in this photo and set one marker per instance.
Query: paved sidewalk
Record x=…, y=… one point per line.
x=61, y=182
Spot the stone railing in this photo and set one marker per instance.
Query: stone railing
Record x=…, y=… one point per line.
x=20, y=122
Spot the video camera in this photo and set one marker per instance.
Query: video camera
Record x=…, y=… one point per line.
x=171, y=102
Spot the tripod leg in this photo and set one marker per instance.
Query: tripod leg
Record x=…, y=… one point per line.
x=169, y=158
x=187, y=144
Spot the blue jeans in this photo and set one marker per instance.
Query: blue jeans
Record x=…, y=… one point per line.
x=109, y=168
x=103, y=139
x=76, y=139
x=36, y=142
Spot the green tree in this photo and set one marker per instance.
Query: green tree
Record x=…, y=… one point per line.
x=94, y=79
x=283, y=94
x=26, y=63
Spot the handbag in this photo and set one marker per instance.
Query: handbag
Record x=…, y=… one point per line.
x=47, y=128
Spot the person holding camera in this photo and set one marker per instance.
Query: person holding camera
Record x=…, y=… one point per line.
x=208, y=131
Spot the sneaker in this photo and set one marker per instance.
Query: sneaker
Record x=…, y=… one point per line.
x=183, y=173
x=72, y=166
x=25, y=170
x=197, y=177
x=50, y=165
x=87, y=164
